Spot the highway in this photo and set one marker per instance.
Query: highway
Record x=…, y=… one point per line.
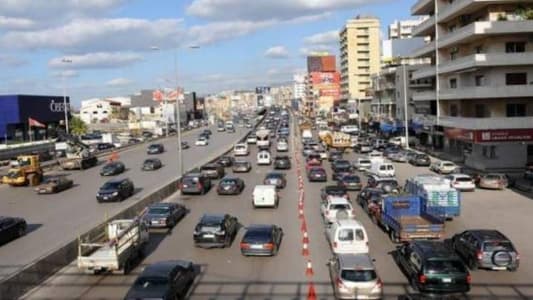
x=225, y=274
x=54, y=220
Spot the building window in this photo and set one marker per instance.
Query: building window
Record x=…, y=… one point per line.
x=95, y=112
x=515, y=78
x=489, y=152
x=453, y=83
x=480, y=80
x=451, y=28
x=515, y=47
x=516, y=110
x=453, y=53
x=454, y=110
x=478, y=49
x=480, y=111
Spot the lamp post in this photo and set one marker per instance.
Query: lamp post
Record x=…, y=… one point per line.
x=65, y=107
x=406, y=124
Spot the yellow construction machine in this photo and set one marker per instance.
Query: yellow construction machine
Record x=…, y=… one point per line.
x=26, y=170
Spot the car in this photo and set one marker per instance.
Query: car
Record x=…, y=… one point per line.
x=363, y=148
x=251, y=139
x=225, y=161
x=387, y=184
x=443, y=167
x=215, y=230
x=132, y=141
x=336, y=208
x=230, y=129
x=207, y=132
x=261, y=240
x=230, y=186
x=152, y=164
x=282, y=162
x=528, y=173
x=264, y=158
x=147, y=134
x=104, y=146
x=275, y=178
x=347, y=236
x=314, y=158
x=241, y=166
x=400, y=156
x=201, y=141
x=432, y=267
x=323, y=153
x=334, y=155
x=194, y=183
x=330, y=191
x=185, y=145
x=493, y=181
x=204, y=135
x=54, y=184
x=163, y=280
x=351, y=182
x=282, y=146
x=461, y=182
x=390, y=150
x=306, y=150
x=363, y=164
x=340, y=168
x=420, y=160
x=11, y=228
x=115, y=190
x=241, y=149
x=221, y=128
x=486, y=249
x=355, y=277
x=317, y=173
x=213, y=170
x=164, y=214
x=155, y=149
x=369, y=194
x=112, y=168
x=374, y=155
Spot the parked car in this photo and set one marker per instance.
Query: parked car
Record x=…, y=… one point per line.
x=261, y=240
x=155, y=149
x=113, y=168
x=495, y=181
x=215, y=230
x=213, y=170
x=431, y=267
x=241, y=166
x=201, y=141
x=194, y=183
x=11, y=228
x=152, y=164
x=351, y=182
x=443, y=167
x=164, y=214
x=115, y=190
x=487, y=249
x=282, y=162
x=355, y=277
x=336, y=208
x=230, y=186
x=225, y=161
x=163, y=280
x=420, y=160
x=317, y=173
x=461, y=182
x=54, y=184
x=275, y=178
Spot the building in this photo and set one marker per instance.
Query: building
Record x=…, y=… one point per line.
x=322, y=84
x=15, y=111
x=403, y=29
x=481, y=106
x=360, y=58
x=106, y=110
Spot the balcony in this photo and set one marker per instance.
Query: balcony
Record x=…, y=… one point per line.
x=487, y=92
x=424, y=96
x=486, y=60
x=463, y=7
x=425, y=28
x=422, y=7
x=427, y=50
x=486, y=123
x=424, y=72
x=425, y=120
x=477, y=30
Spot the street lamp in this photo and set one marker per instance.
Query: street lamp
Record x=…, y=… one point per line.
x=65, y=107
x=406, y=124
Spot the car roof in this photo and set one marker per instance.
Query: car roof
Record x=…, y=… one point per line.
x=163, y=268
x=117, y=180
x=433, y=249
x=259, y=227
x=349, y=223
x=162, y=204
x=338, y=200
x=212, y=218
x=487, y=234
x=193, y=175
x=229, y=177
x=355, y=261
x=460, y=175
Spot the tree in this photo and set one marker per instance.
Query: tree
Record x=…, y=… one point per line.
x=77, y=126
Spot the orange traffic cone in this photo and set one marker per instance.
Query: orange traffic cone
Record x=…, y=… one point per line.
x=303, y=228
x=305, y=250
x=311, y=292
x=309, y=269
x=305, y=239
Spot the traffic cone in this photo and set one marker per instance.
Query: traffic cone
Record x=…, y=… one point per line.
x=311, y=292
x=305, y=239
x=309, y=269
x=302, y=196
x=305, y=249
x=300, y=213
x=300, y=205
x=304, y=226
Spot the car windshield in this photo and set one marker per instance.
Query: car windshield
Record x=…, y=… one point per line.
x=158, y=210
x=463, y=179
x=492, y=177
x=240, y=164
x=342, y=164
x=149, y=282
x=448, y=165
x=358, y=275
x=365, y=161
x=110, y=185
x=351, y=178
x=228, y=182
x=497, y=246
x=440, y=266
x=339, y=207
x=335, y=191
x=210, y=167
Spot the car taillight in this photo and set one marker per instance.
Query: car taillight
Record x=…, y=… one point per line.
x=422, y=279
x=339, y=283
x=469, y=279
x=245, y=246
x=479, y=255
x=268, y=246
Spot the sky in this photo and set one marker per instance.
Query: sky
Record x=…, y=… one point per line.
x=105, y=48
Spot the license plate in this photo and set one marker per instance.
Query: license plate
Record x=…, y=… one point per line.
x=105, y=198
x=155, y=222
x=256, y=246
x=209, y=236
x=43, y=191
x=499, y=268
x=446, y=280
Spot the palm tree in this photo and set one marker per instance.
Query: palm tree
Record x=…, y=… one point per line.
x=77, y=126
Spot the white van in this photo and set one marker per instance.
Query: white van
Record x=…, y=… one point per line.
x=347, y=236
x=263, y=158
x=263, y=139
x=265, y=196
x=241, y=149
x=382, y=169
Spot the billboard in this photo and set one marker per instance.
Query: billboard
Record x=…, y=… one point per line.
x=325, y=78
x=323, y=63
x=490, y=136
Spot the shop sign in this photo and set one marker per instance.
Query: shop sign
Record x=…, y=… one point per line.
x=504, y=135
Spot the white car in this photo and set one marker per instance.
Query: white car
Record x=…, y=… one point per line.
x=461, y=182
x=336, y=208
x=324, y=155
x=347, y=236
x=251, y=139
x=282, y=146
x=374, y=154
x=443, y=167
x=363, y=164
x=349, y=129
x=263, y=158
x=241, y=149
x=201, y=142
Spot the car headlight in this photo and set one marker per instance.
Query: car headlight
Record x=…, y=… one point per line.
x=115, y=194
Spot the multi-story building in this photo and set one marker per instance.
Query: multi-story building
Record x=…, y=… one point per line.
x=322, y=85
x=481, y=106
x=403, y=29
x=360, y=59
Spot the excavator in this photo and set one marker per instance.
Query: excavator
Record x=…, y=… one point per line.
x=77, y=154
x=26, y=170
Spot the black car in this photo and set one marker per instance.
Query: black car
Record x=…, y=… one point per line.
x=164, y=214
x=317, y=174
x=204, y=135
x=115, y=190
x=208, y=131
x=213, y=170
x=215, y=230
x=185, y=145
x=194, y=183
x=351, y=182
x=225, y=161
x=369, y=194
x=487, y=249
x=230, y=186
x=11, y=228
x=420, y=160
x=163, y=280
x=155, y=149
x=275, y=178
x=113, y=168
x=282, y=162
x=261, y=240
x=432, y=267
x=340, y=166
x=333, y=191
x=152, y=164
x=334, y=155
x=104, y=146
x=241, y=166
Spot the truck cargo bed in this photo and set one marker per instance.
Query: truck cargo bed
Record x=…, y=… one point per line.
x=415, y=220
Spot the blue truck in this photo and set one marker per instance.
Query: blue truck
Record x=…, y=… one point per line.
x=404, y=218
x=439, y=198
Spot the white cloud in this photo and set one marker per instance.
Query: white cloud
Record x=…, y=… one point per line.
x=119, y=82
x=15, y=23
x=218, y=31
x=11, y=61
x=277, y=52
x=324, y=38
x=306, y=51
x=96, y=60
x=66, y=74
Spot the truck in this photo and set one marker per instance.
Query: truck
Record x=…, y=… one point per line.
x=25, y=170
x=438, y=197
x=336, y=139
x=404, y=218
x=78, y=155
x=115, y=248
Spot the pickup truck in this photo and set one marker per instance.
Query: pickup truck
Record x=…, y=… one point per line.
x=115, y=248
x=403, y=218
x=438, y=197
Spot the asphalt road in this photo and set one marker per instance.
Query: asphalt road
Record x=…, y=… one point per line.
x=54, y=220
x=225, y=274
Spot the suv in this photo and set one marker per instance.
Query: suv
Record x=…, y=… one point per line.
x=431, y=267
x=195, y=183
x=336, y=208
x=488, y=249
x=213, y=170
x=282, y=162
x=215, y=230
x=355, y=277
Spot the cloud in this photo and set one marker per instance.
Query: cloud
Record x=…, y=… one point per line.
x=324, y=38
x=306, y=51
x=218, y=31
x=95, y=35
x=66, y=74
x=15, y=23
x=277, y=52
x=11, y=61
x=119, y=82
x=98, y=60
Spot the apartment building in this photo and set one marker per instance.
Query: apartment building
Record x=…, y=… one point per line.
x=359, y=59
x=481, y=103
x=403, y=29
